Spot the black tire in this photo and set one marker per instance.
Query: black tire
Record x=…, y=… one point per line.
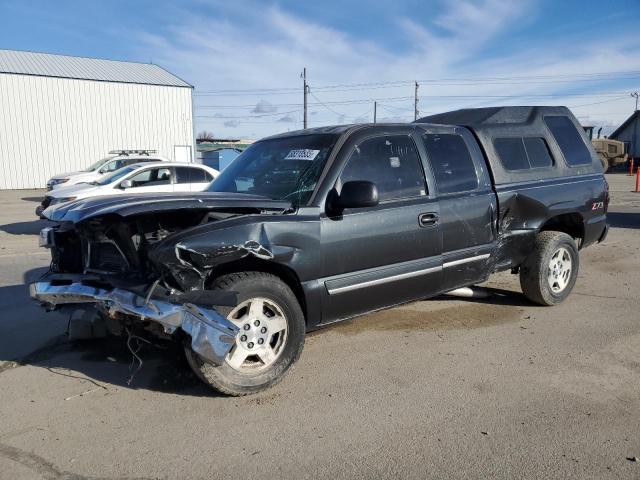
x=535, y=270
x=230, y=381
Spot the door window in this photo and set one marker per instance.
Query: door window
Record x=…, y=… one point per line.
x=391, y=163
x=152, y=177
x=192, y=175
x=112, y=166
x=451, y=162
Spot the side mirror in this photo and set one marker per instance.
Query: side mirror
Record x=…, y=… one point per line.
x=358, y=194
x=126, y=184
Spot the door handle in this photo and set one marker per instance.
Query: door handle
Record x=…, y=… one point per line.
x=428, y=219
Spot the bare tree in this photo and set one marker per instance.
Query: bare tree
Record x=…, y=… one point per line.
x=205, y=136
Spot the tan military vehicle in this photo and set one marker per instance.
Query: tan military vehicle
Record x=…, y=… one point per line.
x=611, y=152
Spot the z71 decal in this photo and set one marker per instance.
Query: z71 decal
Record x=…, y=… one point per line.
x=597, y=205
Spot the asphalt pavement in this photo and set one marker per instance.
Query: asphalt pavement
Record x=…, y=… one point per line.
x=444, y=388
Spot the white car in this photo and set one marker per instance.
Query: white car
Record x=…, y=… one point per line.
x=138, y=178
x=103, y=167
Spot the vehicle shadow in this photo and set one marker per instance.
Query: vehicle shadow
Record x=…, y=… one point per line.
x=26, y=228
x=108, y=362
x=623, y=219
x=33, y=199
x=105, y=362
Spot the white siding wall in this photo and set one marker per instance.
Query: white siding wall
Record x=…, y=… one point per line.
x=56, y=125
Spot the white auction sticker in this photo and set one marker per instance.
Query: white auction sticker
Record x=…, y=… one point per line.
x=302, y=154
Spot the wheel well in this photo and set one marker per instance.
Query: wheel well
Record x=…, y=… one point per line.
x=253, y=264
x=570, y=223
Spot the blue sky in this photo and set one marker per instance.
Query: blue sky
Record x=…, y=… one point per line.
x=245, y=57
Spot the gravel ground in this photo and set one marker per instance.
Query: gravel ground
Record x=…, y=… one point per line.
x=443, y=388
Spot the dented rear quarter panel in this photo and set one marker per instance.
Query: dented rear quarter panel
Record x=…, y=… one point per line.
x=525, y=208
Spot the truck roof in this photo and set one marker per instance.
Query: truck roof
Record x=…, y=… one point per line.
x=491, y=123
x=494, y=116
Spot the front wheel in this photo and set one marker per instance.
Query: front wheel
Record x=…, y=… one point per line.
x=270, y=339
x=549, y=273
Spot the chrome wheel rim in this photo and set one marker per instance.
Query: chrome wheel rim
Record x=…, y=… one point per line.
x=262, y=335
x=559, y=271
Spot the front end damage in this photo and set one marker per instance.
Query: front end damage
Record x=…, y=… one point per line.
x=134, y=265
x=212, y=335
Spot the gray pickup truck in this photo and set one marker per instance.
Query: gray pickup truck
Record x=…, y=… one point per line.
x=309, y=228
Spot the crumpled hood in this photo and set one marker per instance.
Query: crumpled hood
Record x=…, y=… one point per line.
x=127, y=205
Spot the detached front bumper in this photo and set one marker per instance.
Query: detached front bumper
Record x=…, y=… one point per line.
x=212, y=335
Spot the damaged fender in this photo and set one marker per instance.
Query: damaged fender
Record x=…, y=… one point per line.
x=192, y=255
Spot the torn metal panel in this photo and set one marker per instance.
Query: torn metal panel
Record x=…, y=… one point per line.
x=212, y=335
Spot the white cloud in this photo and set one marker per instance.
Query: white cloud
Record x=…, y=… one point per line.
x=287, y=119
x=266, y=48
x=264, y=107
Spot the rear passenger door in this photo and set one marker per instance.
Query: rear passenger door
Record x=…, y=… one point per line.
x=191, y=179
x=467, y=204
x=379, y=256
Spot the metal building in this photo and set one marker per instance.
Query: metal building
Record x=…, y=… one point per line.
x=629, y=133
x=219, y=153
x=61, y=114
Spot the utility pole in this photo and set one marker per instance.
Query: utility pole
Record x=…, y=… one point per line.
x=635, y=127
x=306, y=90
x=375, y=111
x=415, y=103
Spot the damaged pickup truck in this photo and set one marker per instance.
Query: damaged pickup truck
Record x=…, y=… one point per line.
x=309, y=228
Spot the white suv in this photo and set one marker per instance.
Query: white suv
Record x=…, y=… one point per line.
x=122, y=158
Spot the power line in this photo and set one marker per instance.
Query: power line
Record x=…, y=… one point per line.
x=528, y=79
x=392, y=99
x=325, y=106
x=274, y=114
x=597, y=103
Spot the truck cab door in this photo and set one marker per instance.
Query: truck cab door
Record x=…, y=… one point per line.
x=380, y=256
x=467, y=205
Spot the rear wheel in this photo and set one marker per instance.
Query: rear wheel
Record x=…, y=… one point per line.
x=270, y=339
x=549, y=273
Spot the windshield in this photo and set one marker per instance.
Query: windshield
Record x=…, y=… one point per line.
x=112, y=177
x=98, y=164
x=281, y=169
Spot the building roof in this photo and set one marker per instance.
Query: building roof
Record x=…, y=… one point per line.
x=214, y=147
x=84, y=68
x=624, y=125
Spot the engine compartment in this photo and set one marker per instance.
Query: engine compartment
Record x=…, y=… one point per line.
x=115, y=247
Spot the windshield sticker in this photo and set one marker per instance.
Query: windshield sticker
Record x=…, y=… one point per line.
x=302, y=154
x=395, y=162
